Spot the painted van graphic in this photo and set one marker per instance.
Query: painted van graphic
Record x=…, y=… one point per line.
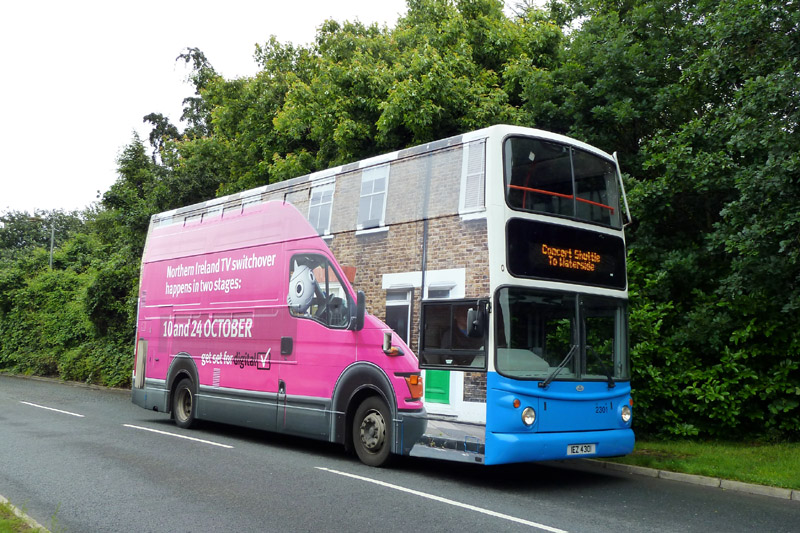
x=249, y=319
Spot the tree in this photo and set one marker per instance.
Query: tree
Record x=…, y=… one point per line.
x=730, y=176
x=196, y=109
x=20, y=230
x=163, y=131
x=358, y=91
x=129, y=201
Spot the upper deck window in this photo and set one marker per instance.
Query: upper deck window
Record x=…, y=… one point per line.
x=552, y=178
x=320, y=207
x=372, y=204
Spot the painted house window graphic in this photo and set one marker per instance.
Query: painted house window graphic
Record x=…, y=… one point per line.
x=398, y=312
x=320, y=207
x=372, y=205
x=439, y=291
x=473, y=178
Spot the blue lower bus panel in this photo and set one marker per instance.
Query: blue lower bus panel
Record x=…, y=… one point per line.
x=572, y=420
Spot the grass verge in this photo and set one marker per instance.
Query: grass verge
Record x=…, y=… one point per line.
x=775, y=465
x=11, y=523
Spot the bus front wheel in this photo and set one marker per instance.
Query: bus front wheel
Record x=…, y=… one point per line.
x=372, y=432
x=183, y=404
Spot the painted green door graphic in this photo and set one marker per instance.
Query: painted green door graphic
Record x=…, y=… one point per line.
x=437, y=386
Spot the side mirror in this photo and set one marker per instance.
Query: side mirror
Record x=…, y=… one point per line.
x=476, y=322
x=361, y=309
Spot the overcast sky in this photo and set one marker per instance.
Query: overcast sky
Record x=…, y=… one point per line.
x=79, y=75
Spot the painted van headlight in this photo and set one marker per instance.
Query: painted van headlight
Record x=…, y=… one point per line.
x=528, y=416
x=626, y=414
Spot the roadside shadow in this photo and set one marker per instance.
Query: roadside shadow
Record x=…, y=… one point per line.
x=212, y=430
x=552, y=477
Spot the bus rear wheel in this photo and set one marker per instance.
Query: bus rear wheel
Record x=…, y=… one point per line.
x=183, y=404
x=372, y=432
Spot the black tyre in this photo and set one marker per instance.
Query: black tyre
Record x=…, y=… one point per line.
x=372, y=432
x=183, y=404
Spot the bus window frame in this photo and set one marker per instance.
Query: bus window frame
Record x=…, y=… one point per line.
x=456, y=354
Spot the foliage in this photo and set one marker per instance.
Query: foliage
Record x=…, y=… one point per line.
x=359, y=90
x=21, y=231
x=700, y=100
x=718, y=224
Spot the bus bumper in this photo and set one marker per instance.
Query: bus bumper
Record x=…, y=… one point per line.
x=408, y=428
x=525, y=447
x=151, y=398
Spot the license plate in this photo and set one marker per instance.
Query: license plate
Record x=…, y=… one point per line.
x=580, y=449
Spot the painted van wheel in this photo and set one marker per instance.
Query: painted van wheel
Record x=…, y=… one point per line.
x=372, y=432
x=183, y=404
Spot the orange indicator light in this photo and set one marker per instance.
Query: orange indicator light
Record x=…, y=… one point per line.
x=415, y=388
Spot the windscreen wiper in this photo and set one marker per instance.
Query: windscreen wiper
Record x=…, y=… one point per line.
x=561, y=365
x=611, y=383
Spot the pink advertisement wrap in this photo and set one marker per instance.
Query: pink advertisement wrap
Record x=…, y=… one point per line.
x=229, y=291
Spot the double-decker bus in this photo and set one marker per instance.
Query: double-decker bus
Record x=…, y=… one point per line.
x=463, y=299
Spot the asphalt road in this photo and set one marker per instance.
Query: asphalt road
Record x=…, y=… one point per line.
x=99, y=463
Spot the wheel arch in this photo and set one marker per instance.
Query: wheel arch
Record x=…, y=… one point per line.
x=182, y=366
x=358, y=382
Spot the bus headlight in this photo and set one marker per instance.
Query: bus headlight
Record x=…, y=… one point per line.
x=626, y=414
x=528, y=416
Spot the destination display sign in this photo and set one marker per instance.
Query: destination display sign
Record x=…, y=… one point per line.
x=560, y=253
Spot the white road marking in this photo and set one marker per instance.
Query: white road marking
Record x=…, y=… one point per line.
x=51, y=409
x=447, y=501
x=179, y=436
